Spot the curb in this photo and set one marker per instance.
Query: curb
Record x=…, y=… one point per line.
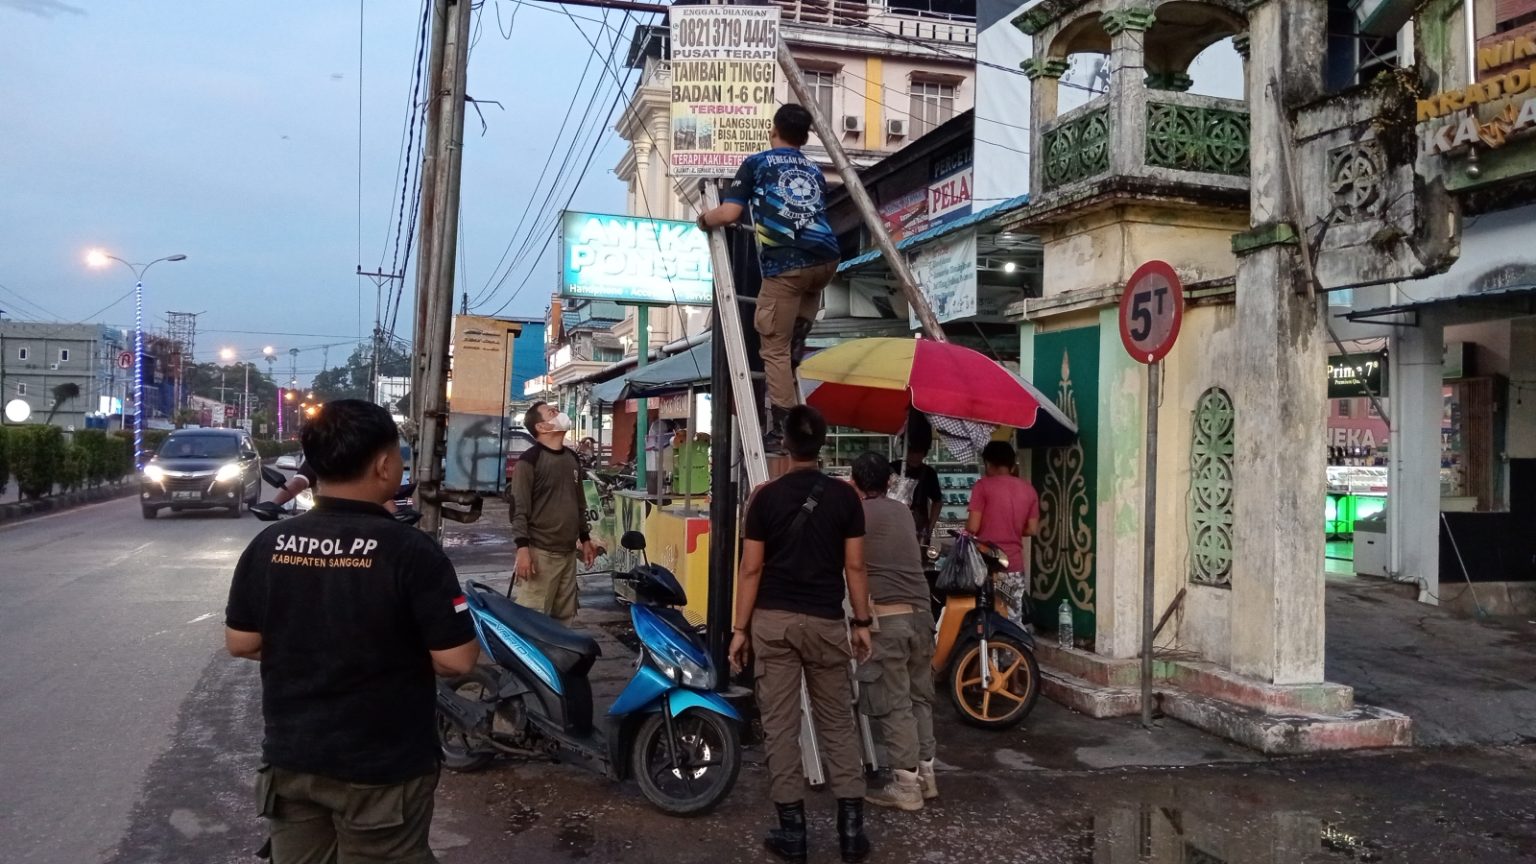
x=54, y=503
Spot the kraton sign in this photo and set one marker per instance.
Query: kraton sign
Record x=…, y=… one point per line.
x=1501, y=103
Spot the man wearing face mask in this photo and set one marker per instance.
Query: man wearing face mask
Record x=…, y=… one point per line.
x=549, y=517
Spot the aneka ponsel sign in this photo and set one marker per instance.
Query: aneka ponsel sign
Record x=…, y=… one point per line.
x=634, y=260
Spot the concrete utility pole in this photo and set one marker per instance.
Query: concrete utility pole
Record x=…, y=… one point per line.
x=442, y=161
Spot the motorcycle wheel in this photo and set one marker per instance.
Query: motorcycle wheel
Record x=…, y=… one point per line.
x=459, y=752
x=1015, y=684
x=709, y=749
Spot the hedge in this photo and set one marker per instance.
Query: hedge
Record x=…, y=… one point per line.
x=37, y=454
x=108, y=458
x=5, y=460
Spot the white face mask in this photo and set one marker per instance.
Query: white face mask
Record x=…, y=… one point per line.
x=561, y=422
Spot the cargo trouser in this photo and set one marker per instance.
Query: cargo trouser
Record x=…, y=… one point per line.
x=321, y=820
x=781, y=301
x=553, y=590
x=785, y=645
x=896, y=687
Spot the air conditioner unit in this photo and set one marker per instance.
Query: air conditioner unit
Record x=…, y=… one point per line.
x=896, y=128
x=53, y=366
x=853, y=123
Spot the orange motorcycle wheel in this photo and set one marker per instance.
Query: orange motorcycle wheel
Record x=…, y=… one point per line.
x=1012, y=688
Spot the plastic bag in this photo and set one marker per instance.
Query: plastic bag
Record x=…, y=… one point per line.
x=963, y=570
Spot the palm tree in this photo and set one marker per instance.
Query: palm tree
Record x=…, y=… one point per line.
x=61, y=394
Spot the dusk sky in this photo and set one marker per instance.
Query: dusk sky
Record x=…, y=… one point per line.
x=229, y=132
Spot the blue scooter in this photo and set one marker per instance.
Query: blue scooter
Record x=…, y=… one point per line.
x=668, y=729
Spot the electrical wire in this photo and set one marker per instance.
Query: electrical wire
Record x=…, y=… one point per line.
x=360, y=19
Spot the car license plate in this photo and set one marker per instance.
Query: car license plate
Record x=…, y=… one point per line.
x=186, y=496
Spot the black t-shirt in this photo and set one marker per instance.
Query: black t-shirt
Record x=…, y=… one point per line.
x=804, y=574
x=925, y=495
x=348, y=603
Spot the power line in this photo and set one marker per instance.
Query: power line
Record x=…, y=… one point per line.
x=360, y=18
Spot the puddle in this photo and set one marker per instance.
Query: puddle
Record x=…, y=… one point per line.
x=520, y=817
x=576, y=837
x=1170, y=835
x=473, y=538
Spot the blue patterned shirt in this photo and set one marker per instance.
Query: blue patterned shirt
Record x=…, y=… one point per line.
x=787, y=196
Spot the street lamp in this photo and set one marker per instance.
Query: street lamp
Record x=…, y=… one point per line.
x=99, y=258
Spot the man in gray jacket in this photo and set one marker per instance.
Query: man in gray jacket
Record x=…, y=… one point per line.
x=549, y=517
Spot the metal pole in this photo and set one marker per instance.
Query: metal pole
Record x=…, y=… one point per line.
x=436, y=290
x=138, y=372
x=643, y=417
x=245, y=398
x=1149, y=552
x=830, y=139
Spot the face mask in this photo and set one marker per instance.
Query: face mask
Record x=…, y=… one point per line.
x=561, y=422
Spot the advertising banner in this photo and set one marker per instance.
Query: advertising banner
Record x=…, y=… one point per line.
x=1352, y=375
x=634, y=260
x=906, y=216
x=723, y=76
x=946, y=271
x=949, y=193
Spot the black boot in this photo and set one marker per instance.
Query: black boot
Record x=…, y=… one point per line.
x=788, y=840
x=773, y=438
x=850, y=830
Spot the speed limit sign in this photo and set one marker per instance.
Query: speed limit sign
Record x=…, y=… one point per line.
x=1151, y=311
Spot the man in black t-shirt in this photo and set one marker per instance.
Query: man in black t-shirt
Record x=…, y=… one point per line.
x=804, y=551
x=350, y=614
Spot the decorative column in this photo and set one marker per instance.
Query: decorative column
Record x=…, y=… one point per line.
x=1044, y=75
x=1277, y=624
x=1127, y=63
x=1417, y=369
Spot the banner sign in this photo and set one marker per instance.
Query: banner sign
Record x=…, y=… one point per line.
x=1350, y=374
x=905, y=216
x=724, y=70
x=946, y=272
x=631, y=259
x=949, y=194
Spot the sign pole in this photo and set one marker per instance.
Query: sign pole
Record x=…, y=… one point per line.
x=1149, y=561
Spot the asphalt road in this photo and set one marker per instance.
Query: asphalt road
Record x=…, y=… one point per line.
x=128, y=737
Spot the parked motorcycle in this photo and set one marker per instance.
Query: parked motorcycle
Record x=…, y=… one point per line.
x=985, y=661
x=678, y=739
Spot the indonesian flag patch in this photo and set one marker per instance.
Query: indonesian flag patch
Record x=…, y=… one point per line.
x=461, y=603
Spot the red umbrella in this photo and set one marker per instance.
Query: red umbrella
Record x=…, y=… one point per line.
x=870, y=384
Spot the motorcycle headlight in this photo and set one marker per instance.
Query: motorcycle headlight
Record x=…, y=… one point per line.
x=227, y=473
x=154, y=473
x=680, y=668
x=305, y=500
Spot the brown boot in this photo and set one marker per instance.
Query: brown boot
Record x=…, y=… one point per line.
x=903, y=792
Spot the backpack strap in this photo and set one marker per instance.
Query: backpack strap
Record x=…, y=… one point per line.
x=812, y=501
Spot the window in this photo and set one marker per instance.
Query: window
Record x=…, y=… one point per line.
x=23, y=353
x=63, y=355
x=932, y=104
x=1346, y=407
x=21, y=389
x=822, y=85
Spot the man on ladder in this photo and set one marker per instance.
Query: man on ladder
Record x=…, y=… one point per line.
x=798, y=253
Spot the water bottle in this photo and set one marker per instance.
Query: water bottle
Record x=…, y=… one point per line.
x=1064, y=625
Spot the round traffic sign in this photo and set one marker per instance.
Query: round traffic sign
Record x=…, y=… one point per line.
x=125, y=360
x=1151, y=310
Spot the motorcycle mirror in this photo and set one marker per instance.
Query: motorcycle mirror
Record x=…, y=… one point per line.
x=407, y=490
x=270, y=513
x=273, y=476
x=634, y=541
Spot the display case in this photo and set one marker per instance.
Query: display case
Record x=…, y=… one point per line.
x=1354, y=492
x=955, y=481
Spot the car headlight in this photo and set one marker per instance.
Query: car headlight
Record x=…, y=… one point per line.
x=154, y=473
x=680, y=668
x=227, y=473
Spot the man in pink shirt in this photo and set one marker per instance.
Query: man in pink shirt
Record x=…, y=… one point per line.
x=1004, y=510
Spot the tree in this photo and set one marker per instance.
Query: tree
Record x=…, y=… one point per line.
x=61, y=394
x=202, y=379
x=352, y=380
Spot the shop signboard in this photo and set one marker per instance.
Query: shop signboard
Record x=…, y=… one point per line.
x=630, y=259
x=905, y=216
x=724, y=68
x=1498, y=106
x=945, y=270
x=1354, y=375
x=949, y=192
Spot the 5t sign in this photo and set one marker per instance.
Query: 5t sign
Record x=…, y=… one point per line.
x=1151, y=311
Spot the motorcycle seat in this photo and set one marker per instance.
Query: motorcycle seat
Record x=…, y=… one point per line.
x=566, y=648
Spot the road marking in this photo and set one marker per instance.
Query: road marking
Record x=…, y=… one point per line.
x=203, y=617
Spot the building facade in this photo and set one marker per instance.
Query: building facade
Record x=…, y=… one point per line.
x=37, y=358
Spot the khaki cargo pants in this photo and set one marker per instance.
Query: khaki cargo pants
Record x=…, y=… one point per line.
x=553, y=589
x=785, y=645
x=896, y=687
x=783, y=299
x=320, y=820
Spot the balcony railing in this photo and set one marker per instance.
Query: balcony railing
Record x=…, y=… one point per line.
x=1208, y=138
x=906, y=22
x=1184, y=133
x=1077, y=147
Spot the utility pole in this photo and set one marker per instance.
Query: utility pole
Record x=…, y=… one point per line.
x=441, y=169
x=380, y=279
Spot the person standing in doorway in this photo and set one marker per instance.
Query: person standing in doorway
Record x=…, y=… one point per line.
x=927, y=494
x=549, y=517
x=1004, y=510
x=803, y=552
x=797, y=251
x=350, y=614
x=896, y=684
